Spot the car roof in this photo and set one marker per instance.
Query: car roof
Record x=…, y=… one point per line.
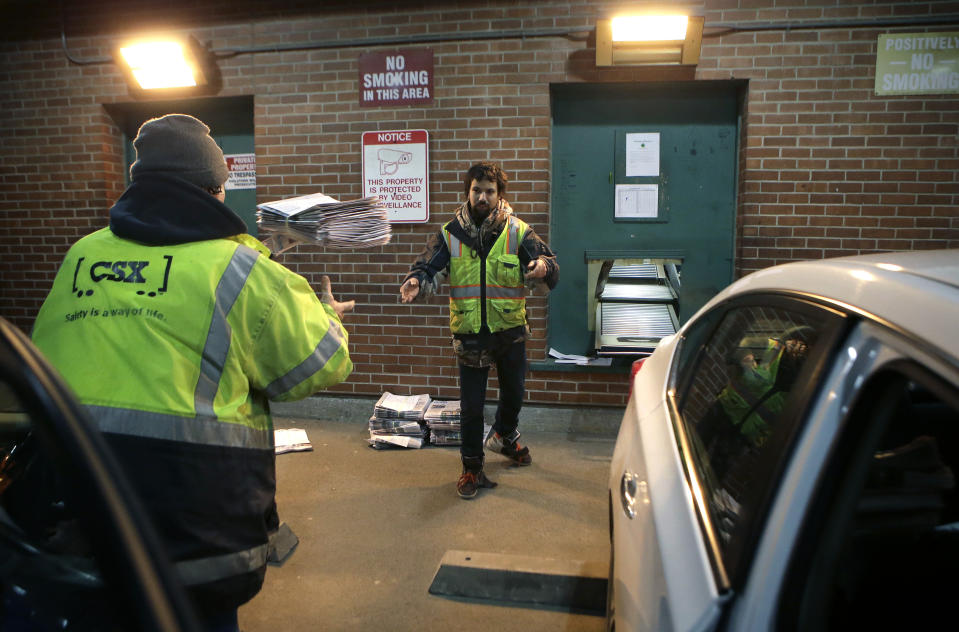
x=916, y=292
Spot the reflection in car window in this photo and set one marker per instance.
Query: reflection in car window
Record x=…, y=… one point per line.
x=735, y=405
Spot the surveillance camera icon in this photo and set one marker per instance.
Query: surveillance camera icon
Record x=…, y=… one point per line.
x=391, y=159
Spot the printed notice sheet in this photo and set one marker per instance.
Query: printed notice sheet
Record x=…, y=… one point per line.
x=637, y=200
x=642, y=154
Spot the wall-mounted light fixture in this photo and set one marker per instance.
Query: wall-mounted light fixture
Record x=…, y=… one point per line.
x=640, y=40
x=168, y=63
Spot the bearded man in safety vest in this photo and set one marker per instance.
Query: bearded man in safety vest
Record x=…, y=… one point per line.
x=490, y=256
x=175, y=329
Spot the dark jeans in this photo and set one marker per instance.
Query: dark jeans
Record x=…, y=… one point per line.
x=511, y=374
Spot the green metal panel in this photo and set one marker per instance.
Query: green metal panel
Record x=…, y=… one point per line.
x=231, y=125
x=698, y=127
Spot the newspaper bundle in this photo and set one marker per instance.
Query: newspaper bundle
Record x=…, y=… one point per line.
x=390, y=406
x=291, y=440
x=443, y=420
x=397, y=421
x=320, y=219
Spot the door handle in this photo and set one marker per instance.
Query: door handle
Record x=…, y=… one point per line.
x=631, y=491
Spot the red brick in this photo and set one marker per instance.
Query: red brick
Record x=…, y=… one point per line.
x=826, y=164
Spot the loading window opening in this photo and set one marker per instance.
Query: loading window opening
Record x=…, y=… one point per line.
x=633, y=302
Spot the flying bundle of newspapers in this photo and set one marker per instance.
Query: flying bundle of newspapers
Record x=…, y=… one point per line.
x=320, y=219
x=443, y=420
x=397, y=421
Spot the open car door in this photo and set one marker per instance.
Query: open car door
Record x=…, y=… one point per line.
x=76, y=549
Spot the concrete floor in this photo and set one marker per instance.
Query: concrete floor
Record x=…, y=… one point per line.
x=374, y=525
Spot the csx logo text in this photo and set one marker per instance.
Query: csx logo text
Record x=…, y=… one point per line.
x=125, y=271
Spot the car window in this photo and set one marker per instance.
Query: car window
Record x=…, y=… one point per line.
x=886, y=547
x=736, y=410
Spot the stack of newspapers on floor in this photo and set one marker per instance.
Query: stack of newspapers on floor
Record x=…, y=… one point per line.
x=320, y=219
x=397, y=421
x=443, y=420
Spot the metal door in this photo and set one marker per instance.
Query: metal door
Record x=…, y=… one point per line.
x=698, y=125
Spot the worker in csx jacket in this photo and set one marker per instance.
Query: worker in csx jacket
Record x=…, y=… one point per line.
x=175, y=328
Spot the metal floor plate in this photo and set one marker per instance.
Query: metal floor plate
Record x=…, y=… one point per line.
x=521, y=580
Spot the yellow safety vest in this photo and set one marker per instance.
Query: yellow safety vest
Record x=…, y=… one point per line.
x=498, y=277
x=175, y=351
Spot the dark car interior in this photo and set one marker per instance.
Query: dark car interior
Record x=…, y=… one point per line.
x=76, y=552
x=889, y=545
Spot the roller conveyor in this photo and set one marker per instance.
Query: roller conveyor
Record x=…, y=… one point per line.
x=636, y=292
x=638, y=321
x=637, y=305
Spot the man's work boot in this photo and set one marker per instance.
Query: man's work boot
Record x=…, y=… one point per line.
x=472, y=478
x=509, y=447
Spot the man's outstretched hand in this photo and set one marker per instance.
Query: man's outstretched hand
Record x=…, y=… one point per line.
x=326, y=296
x=410, y=290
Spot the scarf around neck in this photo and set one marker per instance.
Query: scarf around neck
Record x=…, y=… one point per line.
x=492, y=225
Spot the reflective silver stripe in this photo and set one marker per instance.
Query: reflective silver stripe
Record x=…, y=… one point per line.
x=464, y=291
x=218, y=338
x=469, y=291
x=455, y=245
x=505, y=292
x=513, y=237
x=210, y=569
x=328, y=345
x=199, y=430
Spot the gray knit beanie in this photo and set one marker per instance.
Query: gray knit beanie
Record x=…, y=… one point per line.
x=179, y=145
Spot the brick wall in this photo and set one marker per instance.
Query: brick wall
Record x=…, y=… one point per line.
x=826, y=167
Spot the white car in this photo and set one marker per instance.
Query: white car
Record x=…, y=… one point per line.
x=787, y=460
